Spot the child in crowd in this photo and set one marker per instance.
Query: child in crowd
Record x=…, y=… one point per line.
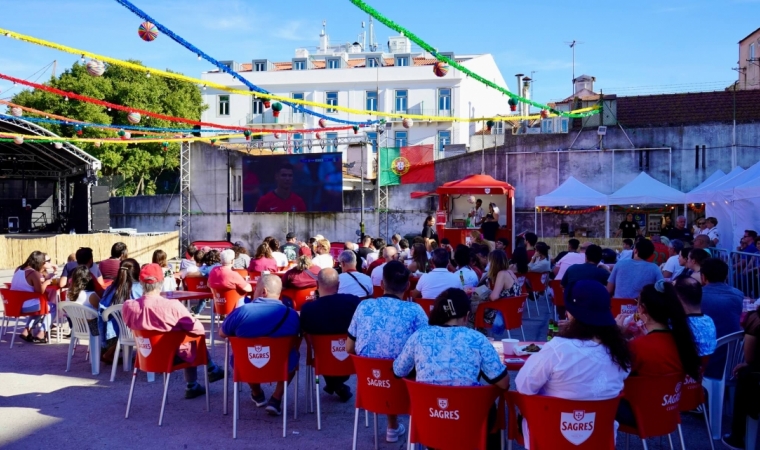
x=160, y=258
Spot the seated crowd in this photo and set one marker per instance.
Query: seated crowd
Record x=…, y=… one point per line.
x=683, y=306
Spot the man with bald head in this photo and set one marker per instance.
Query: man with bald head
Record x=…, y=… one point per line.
x=680, y=231
x=266, y=316
x=330, y=313
x=389, y=254
x=702, y=241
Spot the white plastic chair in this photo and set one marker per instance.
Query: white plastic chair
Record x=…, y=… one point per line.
x=80, y=329
x=716, y=388
x=126, y=339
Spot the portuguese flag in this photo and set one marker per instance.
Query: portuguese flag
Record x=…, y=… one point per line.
x=406, y=165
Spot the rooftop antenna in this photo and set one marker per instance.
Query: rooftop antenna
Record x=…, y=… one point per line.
x=372, y=42
x=363, y=38
x=572, y=46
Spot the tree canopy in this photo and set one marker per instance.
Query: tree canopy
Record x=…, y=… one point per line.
x=136, y=166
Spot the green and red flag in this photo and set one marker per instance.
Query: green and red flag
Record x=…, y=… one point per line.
x=406, y=165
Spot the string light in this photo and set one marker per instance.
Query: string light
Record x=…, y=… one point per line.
x=147, y=74
x=199, y=57
x=82, y=58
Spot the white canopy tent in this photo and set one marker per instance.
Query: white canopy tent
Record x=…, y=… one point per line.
x=714, y=178
x=746, y=207
x=573, y=193
x=719, y=203
x=698, y=194
x=645, y=190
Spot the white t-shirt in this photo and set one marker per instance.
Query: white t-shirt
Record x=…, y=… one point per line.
x=571, y=369
x=281, y=259
x=625, y=254
x=372, y=257
x=349, y=285
x=470, y=277
x=568, y=260
x=672, y=266
x=323, y=261
x=712, y=233
x=377, y=275
x=436, y=281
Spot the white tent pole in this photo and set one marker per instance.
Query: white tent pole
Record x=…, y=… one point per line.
x=535, y=220
x=542, y=224
x=607, y=223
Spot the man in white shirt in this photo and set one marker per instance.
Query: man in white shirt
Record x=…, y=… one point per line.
x=672, y=268
x=351, y=281
x=389, y=254
x=279, y=257
x=712, y=231
x=575, y=256
x=395, y=239
x=437, y=280
x=372, y=257
x=464, y=271
x=477, y=213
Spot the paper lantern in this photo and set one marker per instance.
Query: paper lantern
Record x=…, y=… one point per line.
x=322, y=123
x=165, y=145
x=127, y=135
x=134, y=117
x=489, y=125
x=147, y=31
x=407, y=123
x=440, y=69
x=78, y=130
x=513, y=104
x=213, y=141
x=267, y=103
x=544, y=114
x=471, y=199
x=356, y=129
x=97, y=144
x=95, y=68
x=318, y=135
x=58, y=145
x=247, y=134
x=276, y=108
x=17, y=112
x=18, y=140
x=277, y=135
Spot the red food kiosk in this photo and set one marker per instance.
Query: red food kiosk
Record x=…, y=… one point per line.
x=453, y=206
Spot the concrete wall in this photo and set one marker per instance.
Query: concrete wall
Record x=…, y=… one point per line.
x=534, y=164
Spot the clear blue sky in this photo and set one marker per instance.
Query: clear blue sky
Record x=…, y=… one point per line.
x=630, y=47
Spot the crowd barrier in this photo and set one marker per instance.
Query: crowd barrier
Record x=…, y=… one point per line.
x=14, y=251
x=743, y=270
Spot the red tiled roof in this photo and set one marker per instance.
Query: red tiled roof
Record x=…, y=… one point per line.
x=357, y=62
x=691, y=108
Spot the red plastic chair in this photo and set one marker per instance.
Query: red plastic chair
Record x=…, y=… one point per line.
x=426, y=304
x=378, y=390
x=623, y=306
x=559, y=296
x=197, y=284
x=377, y=291
x=156, y=351
x=654, y=401
x=449, y=417
x=537, y=285
x=326, y=355
x=260, y=360
x=100, y=288
x=693, y=396
x=556, y=423
x=224, y=303
x=300, y=296
x=243, y=272
x=412, y=286
x=254, y=275
x=12, y=304
x=511, y=308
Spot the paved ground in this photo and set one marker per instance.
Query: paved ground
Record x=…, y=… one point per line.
x=41, y=405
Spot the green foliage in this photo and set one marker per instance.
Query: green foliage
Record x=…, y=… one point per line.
x=137, y=166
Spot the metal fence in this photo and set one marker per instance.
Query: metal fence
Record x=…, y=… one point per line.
x=743, y=270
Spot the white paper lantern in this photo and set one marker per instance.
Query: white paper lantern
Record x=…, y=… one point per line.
x=17, y=112
x=58, y=145
x=134, y=117
x=471, y=199
x=18, y=140
x=407, y=123
x=95, y=68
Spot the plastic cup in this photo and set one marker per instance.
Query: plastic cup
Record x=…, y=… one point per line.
x=509, y=346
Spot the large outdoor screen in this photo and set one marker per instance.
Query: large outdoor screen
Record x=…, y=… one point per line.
x=293, y=183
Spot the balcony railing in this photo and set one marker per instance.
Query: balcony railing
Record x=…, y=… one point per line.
x=286, y=117
x=420, y=111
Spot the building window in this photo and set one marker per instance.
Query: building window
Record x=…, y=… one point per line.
x=498, y=128
x=332, y=100
x=373, y=62
x=224, y=105
x=333, y=63
x=444, y=100
x=444, y=139
x=260, y=67
x=299, y=65
x=372, y=139
x=751, y=51
x=297, y=143
x=257, y=106
x=402, y=61
x=298, y=96
x=401, y=101
x=401, y=138
x=331, y=142
x=371, y=101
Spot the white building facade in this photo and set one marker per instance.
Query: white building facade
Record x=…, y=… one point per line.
x=397, y=80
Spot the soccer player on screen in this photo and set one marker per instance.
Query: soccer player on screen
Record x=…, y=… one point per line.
x=281, y=199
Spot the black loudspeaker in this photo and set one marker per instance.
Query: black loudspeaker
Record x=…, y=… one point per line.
x=79, y=216
x=101, y=210
x=564, y=228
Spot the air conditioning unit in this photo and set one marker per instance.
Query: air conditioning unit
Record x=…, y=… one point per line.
x=601, y=131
